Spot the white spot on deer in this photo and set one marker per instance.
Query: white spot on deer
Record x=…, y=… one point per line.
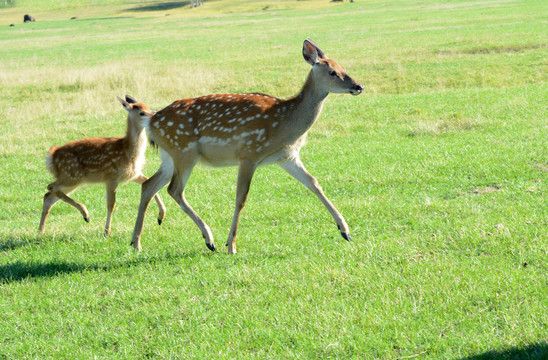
x=189, y=146
x=275, y=124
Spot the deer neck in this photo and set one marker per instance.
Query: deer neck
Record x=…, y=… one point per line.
x=136, y=139
x=306, y=106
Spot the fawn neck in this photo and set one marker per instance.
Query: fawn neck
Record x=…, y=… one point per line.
x=136, y=139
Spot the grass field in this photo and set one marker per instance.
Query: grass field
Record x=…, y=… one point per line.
x=440, y=169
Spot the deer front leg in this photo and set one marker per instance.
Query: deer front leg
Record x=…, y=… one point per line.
x=148, y=190
x=245, y=174
x=177, y=191
x=296, y=169
x=111, y=204
x=140, y=179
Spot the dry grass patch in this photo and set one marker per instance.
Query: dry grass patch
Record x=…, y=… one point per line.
x=454, y=123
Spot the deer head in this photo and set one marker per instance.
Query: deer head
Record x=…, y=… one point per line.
x=328, y=75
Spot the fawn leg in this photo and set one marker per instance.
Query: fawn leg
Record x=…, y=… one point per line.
x=111, y=204
x=49, y=200
x=61, y=195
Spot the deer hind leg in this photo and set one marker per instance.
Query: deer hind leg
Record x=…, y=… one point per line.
x=111, y=204
x=56, y=193
x=296, y=169
x=149, y=188
x=61, y=192
x=245, y=174
x=177, y=190
x=140, y=179
x=49, y=200
x=61, y=195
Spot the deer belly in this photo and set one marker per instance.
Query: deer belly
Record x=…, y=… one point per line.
x=218, y=153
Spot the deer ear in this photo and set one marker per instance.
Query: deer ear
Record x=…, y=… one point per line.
x=312, y=53
x=130, y=99
x=124, y=104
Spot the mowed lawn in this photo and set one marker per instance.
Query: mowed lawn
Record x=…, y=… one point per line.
x=439, y=167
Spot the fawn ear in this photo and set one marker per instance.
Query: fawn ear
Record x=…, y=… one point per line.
x=312, y=53
x=130, y=99
x=124, y=104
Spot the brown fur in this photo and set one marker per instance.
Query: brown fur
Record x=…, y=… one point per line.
x=108, y=160
x=248, y=130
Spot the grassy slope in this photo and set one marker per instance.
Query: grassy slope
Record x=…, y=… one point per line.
x=439, y=169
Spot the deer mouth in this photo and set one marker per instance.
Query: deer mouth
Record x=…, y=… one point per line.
x=356, y=90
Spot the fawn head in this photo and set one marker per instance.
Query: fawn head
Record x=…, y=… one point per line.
x=328, y=74
x=136, y=111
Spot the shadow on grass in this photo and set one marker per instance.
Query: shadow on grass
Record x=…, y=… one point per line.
x=106, y=18
x=532, y=352
x=163, y=6
x=12, y=244
x=20, y=270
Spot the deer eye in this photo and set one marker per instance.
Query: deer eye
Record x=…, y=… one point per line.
x=142, y=113
x=333, y=73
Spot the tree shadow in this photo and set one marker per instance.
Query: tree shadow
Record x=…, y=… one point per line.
x=532, y=352
x=163, y=6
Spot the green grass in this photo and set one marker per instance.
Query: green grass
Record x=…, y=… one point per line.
x=440, y=169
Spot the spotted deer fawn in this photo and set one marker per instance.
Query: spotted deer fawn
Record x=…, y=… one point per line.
x=248, y=130
x=109, y=160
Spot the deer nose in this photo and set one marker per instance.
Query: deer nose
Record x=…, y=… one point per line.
x=356, y=89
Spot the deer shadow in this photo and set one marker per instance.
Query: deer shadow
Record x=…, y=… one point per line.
x=13, y=244
x=532, y=352
x=163, y=6
x=21, y=270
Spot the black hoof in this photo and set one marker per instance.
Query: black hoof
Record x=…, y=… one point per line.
x=211, y=246
x=86, y=219
x=159, y=221
x=346, y=236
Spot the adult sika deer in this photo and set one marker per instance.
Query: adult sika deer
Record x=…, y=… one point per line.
x=248, y=130
x=109, y=160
